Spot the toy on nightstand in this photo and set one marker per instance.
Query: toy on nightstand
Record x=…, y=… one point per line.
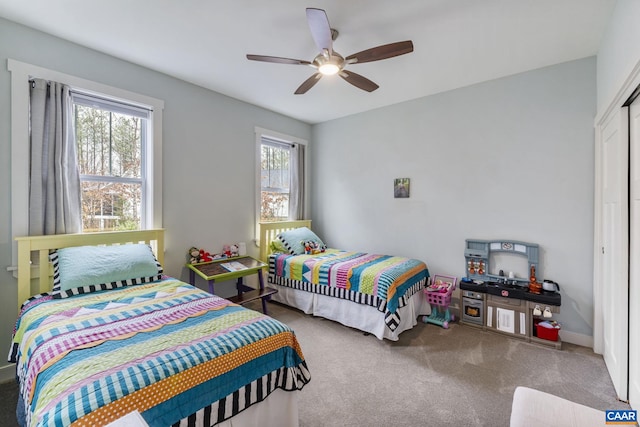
x=439, y=297
x=196, y=255
x=227, y=251
x=205, y=256
x=235, y=250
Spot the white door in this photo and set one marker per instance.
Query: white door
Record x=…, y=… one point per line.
x=634, y=254
x=614, y=278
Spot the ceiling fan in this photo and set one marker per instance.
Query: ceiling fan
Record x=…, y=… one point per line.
x=329, y=62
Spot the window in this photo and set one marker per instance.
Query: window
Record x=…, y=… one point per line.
x=275, y=180
x=21, y=73
x=110, y=141
x=281, y=177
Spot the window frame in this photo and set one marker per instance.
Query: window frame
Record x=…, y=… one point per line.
x=79, y=97
x=261, y=133
x=281, y=145
x=21, y=73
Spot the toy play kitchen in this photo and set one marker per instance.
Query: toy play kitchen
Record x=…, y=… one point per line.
x=511, y=304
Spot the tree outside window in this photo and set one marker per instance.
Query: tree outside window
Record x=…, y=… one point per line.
x=110, y=160
x=275, y=180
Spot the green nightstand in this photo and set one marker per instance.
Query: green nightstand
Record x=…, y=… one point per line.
x=234, y=268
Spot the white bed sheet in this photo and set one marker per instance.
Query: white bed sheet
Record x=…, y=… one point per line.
x=359, y=316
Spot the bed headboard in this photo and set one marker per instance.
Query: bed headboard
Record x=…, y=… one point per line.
x=41, y=245
x=269, y=231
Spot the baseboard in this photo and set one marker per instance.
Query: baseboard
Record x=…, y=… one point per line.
x=577, y=339
x=7, y=373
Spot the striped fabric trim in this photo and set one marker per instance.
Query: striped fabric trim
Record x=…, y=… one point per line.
x=287, y=246
x=57, y=293
x=104, y=286
x=246, y=396
x=341, y=293
x=54, y=258
x=392, y=319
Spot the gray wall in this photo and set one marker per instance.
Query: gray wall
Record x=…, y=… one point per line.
x=506, y=159
x=209, y=153
x=619, y=51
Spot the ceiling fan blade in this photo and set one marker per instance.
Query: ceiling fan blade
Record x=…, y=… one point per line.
x=381, y=52
x=308, y=84
x=320, y=29
x=358, y=81
x=277, y=60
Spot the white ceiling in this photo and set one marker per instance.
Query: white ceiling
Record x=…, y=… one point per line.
x=456, y=43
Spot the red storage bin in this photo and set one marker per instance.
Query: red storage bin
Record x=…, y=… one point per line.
x=550, y=334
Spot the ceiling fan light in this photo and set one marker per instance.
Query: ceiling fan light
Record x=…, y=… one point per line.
x=329, y=69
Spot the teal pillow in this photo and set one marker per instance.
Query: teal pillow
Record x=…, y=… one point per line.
x=86, y=269
x=293, y=240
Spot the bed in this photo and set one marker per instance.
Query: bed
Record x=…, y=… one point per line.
x=378, y=294
x=114, y=340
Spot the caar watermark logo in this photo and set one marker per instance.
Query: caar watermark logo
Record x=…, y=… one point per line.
x=621, y=416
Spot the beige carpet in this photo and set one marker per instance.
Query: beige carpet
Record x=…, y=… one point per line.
x=461, y=376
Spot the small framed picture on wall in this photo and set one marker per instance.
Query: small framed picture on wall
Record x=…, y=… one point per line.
x=401, y=187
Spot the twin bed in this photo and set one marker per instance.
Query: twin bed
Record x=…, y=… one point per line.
x=114, y=339
x=377, y=294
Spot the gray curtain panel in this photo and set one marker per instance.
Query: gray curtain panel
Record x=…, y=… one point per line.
x=296, y=199
x=54, y=187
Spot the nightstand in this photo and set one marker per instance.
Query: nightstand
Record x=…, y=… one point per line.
x=224, y=269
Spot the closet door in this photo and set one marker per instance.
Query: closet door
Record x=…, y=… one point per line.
x=634, y=254
x=614, y=279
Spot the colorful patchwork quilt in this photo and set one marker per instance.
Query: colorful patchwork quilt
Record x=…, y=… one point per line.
x=166, y=349
x=382, y=281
